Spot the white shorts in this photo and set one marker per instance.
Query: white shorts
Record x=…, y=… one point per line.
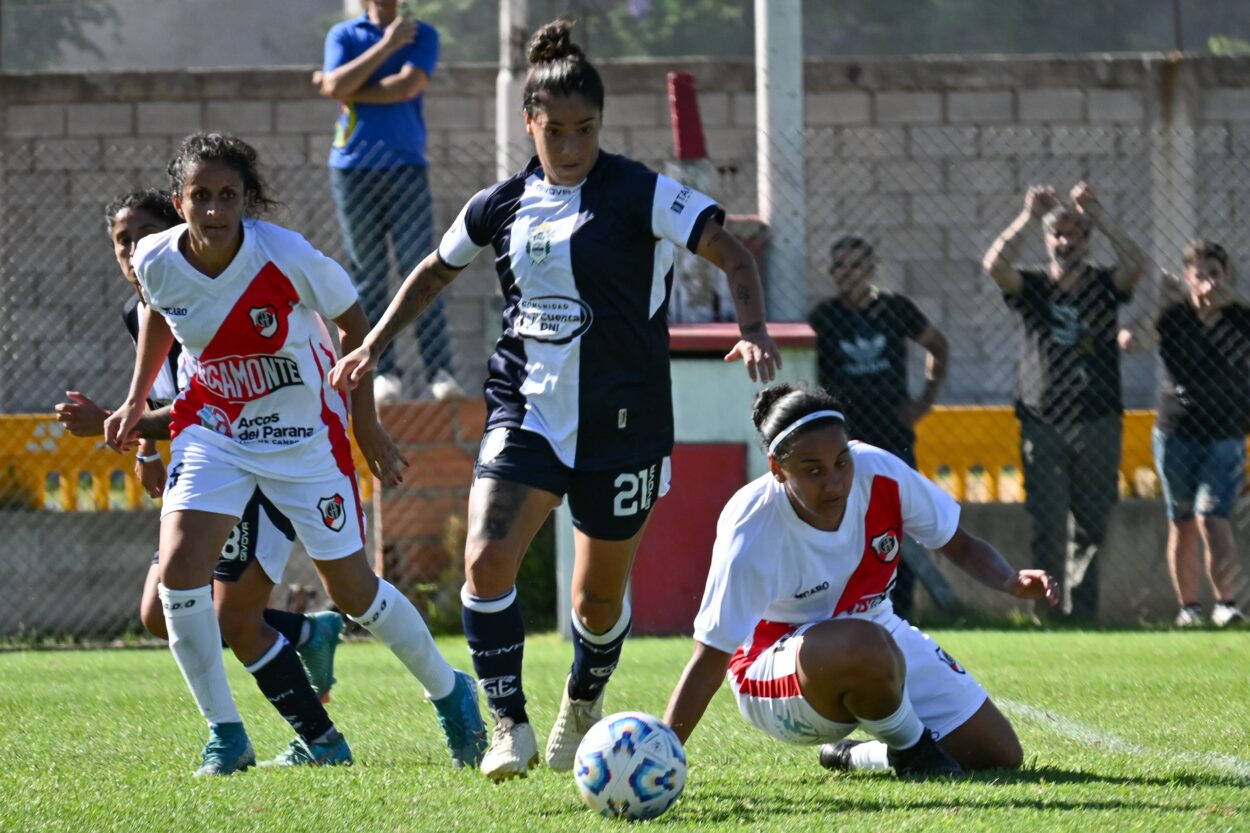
x=941, y=691
x=327, y=514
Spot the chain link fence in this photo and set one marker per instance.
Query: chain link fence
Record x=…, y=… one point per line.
x=913, y=213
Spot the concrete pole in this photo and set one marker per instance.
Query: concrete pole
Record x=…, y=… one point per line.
x=779, y=154
x=511, y=144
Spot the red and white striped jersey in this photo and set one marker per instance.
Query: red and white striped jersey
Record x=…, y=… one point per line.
x=261, y=347
x=772, y=571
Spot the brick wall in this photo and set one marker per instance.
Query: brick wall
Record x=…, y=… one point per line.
x=927, y=156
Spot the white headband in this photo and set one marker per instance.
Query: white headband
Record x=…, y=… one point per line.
x=799, y=423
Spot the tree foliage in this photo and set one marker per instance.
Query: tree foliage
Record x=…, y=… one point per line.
x=35, y=33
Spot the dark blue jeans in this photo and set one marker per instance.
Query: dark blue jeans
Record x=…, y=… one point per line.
x=380, y=205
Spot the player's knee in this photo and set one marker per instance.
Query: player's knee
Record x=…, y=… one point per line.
x=153, y=616
x=854, y=646
x=1010, y=753
x=487, y=570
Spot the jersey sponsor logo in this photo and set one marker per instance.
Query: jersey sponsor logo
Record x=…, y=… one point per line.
x=174, y=312
x=538, y=246
x=247, y=378
x=867, y=603
x=811, y=591
x=886, y=546
x=265, y=320
x=679, y=204
x=266, y=428
x=333, y=515
x=216, y=420
x=950, y=661
x=556, y=319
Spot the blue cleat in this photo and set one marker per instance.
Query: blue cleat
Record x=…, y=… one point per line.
x=317, y=653
x=461, y=721
x=228, y=750
x=331, y=750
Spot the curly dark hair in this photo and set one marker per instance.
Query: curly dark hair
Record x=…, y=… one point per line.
x=148, y=200
x=233, y=151
x=559, y=68
x=777, y=407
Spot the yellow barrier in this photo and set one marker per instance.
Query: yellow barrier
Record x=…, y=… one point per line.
x=974, y=452
x=43, y=466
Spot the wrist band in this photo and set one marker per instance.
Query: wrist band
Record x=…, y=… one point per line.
x=148, y=458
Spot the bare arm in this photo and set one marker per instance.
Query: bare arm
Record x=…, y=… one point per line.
x=379, y=450
x=1131, y=262
x=983, y=562
x=698, y=684
x=1000, y=258
x=756, y=349
x=404, y=85
x=155, y=339
x=342, y=82
x=934, y=342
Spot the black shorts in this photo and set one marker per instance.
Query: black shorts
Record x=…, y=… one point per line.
x=275, y=532
x=610, y=505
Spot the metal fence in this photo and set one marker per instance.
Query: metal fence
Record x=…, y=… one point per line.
x=926, y=204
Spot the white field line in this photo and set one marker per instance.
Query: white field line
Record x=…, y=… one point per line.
x=1075, y=730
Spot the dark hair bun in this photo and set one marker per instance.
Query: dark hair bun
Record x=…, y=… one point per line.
x=552, y=42
x=765, y=399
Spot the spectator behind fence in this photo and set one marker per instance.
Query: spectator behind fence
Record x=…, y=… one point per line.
x=1202, y=329
x=378, y=66
x=861, y=358
x=1068, y=388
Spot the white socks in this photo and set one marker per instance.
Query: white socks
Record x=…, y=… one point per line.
x=394, y=620
x=195, y=639
x=900, y=730
x=870, y=756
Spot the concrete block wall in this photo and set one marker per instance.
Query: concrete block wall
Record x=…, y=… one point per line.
x=928, y=157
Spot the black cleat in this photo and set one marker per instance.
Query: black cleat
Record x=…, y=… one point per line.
x=924, y=759
x=837, y=755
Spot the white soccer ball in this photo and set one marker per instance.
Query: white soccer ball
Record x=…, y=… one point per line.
x=630, y=765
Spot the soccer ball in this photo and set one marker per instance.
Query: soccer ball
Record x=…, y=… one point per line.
x=630, y=765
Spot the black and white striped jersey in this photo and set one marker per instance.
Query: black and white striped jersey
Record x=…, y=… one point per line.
x=586, y=273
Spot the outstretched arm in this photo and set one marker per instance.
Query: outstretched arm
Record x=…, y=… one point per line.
x=983, y=562
x=756, y=348
x=695, y=689
x=1131, y=261
x=420, y=288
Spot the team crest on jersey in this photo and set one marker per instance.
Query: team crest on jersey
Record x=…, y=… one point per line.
x=247, y=378
x=215, y=419
x=886, y=546
x=950, y=661
x=265, y=320
x=538, y=247
x=556, y=319
x=333, y=515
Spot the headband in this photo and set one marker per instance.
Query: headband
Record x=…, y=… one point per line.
x=799, y=423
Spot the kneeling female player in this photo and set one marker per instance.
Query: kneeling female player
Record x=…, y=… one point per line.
x=797, y=605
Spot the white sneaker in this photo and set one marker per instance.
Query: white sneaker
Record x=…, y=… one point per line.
x=1224, y=615
x=386, y=388
x=574, y=721
x=1189, y=616
x=445, y=387
x=513, y=750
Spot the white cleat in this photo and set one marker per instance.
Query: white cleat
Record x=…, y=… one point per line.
x=1223, y=615
x=1189, y=616
x=513, y=751
x=574, y=721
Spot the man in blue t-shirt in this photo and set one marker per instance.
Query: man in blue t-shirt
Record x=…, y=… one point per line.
x=377, y=65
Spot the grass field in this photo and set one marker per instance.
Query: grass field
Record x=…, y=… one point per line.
x=1122, y=731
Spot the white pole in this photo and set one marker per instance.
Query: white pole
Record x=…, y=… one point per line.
x=779, y=154
x=511, y=147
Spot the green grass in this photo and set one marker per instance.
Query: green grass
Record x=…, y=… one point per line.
x=1122, y=731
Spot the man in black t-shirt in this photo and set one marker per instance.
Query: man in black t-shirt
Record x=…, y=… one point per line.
x=1068, y=387
x=861, y=358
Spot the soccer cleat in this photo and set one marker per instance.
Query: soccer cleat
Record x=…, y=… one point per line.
x=923, y=759
x=445, y=388
x=461, y=721
x=1223, y=615
x=317, y=654
x=386, y=388
x=331, y=750
x=228, y=750
x=572, y=723
x=513, y=750
x=1189, y=616
x=837, y=756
